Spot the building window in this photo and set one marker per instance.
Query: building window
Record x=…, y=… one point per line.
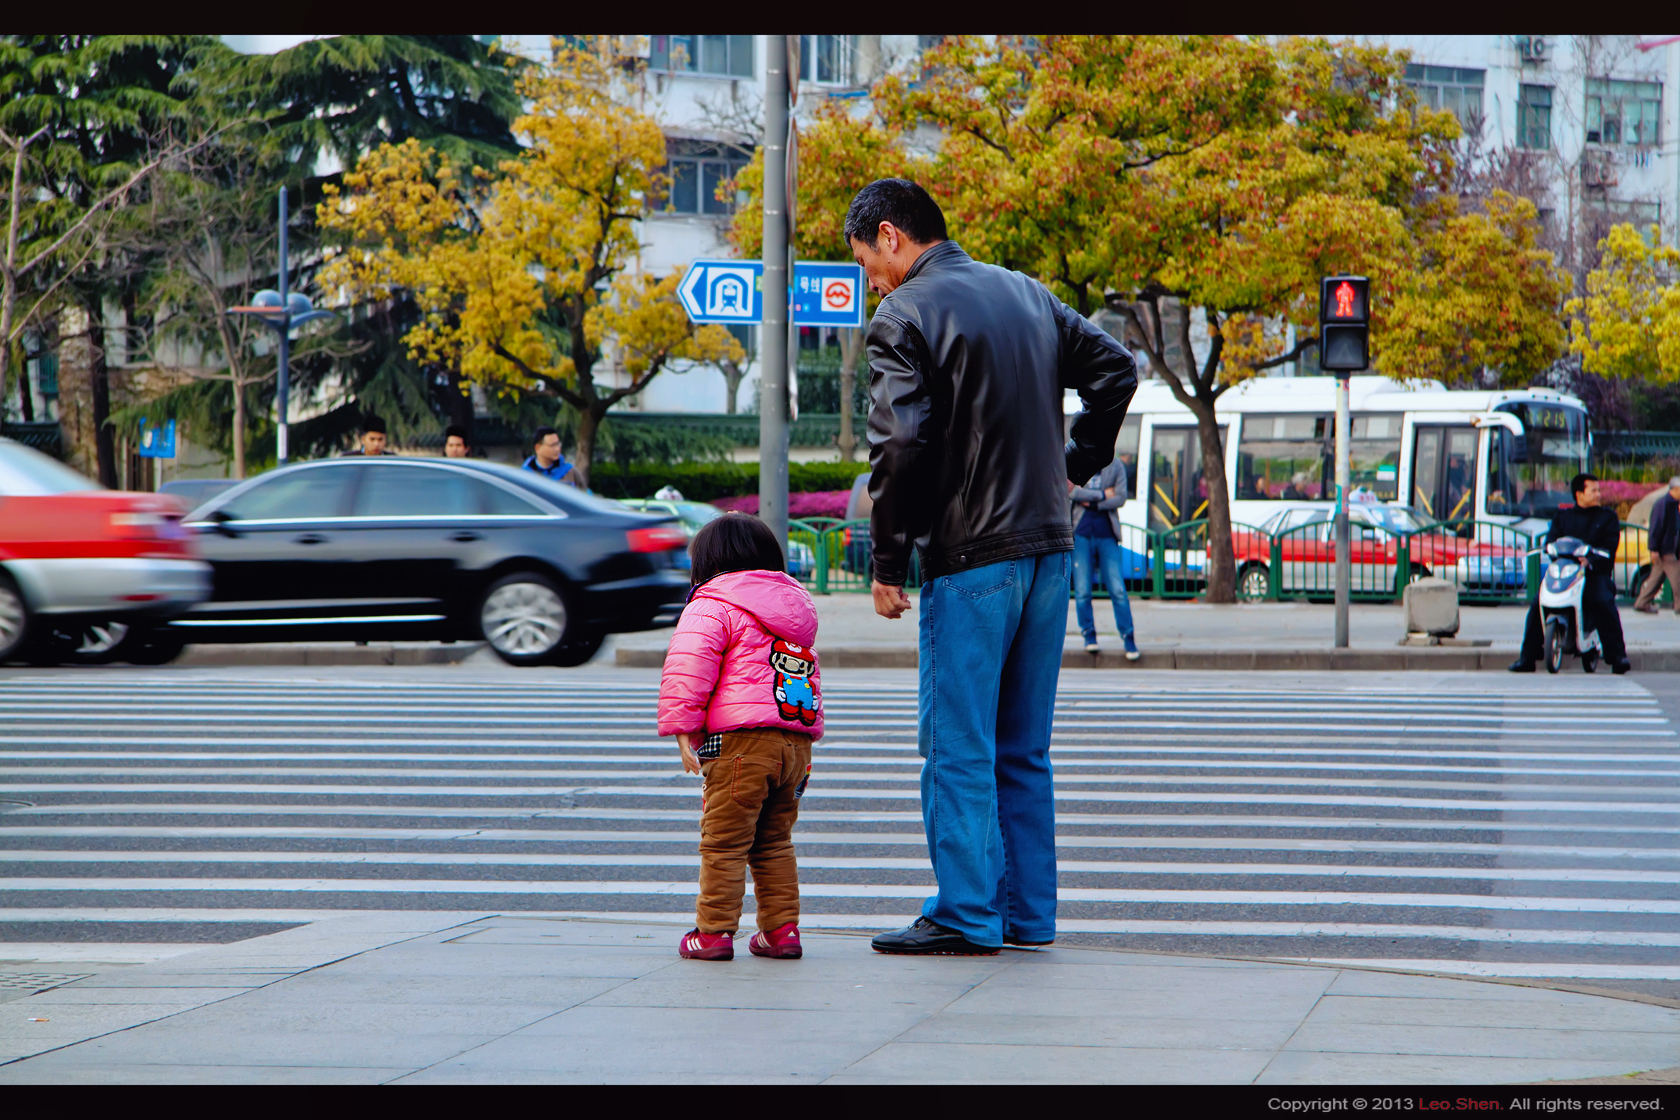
x=729, y=56
x=695, y=178
x=828, y=59
x=1534, y=117
x=1624, y=112
x=1601, y=214
x=1454, y=89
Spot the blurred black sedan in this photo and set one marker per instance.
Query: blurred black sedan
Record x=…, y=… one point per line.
x=395, y=549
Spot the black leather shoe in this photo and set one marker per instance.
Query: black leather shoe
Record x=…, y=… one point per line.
x=1621, y=667
x=926, y=937
x=1521, y=666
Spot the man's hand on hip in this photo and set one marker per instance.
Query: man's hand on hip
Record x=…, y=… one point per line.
x=890, y=601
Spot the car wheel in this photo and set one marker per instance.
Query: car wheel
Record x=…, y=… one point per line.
x=152, y=646
x=1254, y=583
x=574, y=653
x=14, y=619
x=94, y=643
x=524, y=618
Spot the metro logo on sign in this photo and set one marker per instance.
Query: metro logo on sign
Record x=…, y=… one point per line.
x=827, y=295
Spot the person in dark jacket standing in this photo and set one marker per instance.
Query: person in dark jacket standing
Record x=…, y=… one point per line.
x=373, y=437
x=1664, y=542
x=1096, y=548
x=967, y=366
x=1600, y=528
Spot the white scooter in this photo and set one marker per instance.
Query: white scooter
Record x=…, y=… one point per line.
x=1562, y=620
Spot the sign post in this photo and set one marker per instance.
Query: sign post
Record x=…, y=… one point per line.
x=773, y=336
x=1344, y=347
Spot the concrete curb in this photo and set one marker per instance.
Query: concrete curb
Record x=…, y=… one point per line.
x=288, y=653
x=1398, y=659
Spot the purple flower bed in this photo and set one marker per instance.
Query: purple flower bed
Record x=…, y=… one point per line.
x=1614, y=490
x=805, y=503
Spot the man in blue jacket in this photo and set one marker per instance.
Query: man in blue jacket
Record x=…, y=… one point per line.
x=547, y=459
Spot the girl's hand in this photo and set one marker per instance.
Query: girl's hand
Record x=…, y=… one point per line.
x=685, y=744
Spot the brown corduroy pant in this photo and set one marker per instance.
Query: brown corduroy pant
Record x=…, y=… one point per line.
x=750, y=801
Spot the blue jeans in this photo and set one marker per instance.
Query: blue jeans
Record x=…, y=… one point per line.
x=1089, y=553
x=991, y=650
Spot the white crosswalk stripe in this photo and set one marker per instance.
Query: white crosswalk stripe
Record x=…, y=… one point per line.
x=1471, y=824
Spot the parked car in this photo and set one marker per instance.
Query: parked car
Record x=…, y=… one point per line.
x=194, y=492
x=802, y=560
x=1308, y=552
x=391, y=548
x=87, y=574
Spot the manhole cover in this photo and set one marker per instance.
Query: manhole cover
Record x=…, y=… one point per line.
x=32, y=982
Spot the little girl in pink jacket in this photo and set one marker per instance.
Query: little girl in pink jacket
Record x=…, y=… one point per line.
x=742, y=693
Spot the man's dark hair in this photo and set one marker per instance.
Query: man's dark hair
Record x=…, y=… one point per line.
x=372, y=423
x=735, y=542
x=455, y=430
x=1579, y=482
x=542, y=433
x=899, y=201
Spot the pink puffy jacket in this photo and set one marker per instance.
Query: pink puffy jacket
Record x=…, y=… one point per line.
x=742, y=657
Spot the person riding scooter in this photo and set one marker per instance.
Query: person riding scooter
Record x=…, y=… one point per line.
x=1587, y=521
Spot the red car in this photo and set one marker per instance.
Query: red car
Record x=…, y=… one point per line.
x=1308, y=552
x=87, y=574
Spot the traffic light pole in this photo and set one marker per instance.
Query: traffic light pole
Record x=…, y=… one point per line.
x=773, y=333
x=283, y=378
x=1344, y=543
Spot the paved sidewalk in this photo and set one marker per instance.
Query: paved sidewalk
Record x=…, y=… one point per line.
x=416, y=997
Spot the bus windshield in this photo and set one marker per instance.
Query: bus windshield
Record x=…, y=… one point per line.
x=1528, y=474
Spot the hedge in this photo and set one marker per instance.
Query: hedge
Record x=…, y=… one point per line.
x=703, y=482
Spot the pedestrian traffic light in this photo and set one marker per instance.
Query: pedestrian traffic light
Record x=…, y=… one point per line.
x=1344, y=323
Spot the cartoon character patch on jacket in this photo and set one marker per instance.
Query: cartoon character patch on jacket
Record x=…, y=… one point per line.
x=796, y=695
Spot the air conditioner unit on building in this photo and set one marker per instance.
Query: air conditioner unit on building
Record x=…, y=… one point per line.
x=1598, y=169
x=1532, y=48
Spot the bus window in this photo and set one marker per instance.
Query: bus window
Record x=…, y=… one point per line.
x=1443, y=471
x=1282, y=457
x=1528, y=476
x=1126, y=450
x=1374, y=455
x=1177, y=482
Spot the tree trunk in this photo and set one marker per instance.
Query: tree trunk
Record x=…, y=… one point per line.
x=1221, y=557
x=732, y=375
x=238, y=426
x=99, y=381
x=588, y=423
x=851, y=347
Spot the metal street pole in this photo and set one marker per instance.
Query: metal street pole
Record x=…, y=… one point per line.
x=1344, y=547
x=284, y=377
x=773, y=334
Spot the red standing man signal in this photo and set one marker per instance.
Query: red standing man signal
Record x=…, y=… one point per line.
x=1344, y=301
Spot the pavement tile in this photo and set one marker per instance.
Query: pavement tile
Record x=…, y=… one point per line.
x=75, y=1021
x=405, y=1018
x=138, y=979
x=791, y=991
x=1602, y=1014
x=43, y=1072
x=462, y=963
x=449, y=1074
x=1294, y=1067
x=1358, y=982
x=253, y=1044
x=1259, y=982
x=1223, y=1001
x=184, y=997
x=591, y=1042
x=1638, y=1050
x=1106, y=1030
x=923, y=1062
x=328, y=986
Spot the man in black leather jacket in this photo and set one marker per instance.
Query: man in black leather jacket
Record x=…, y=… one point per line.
x=968, y=363
x=1587, y=521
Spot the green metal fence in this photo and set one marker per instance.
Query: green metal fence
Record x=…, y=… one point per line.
x=1489, y=562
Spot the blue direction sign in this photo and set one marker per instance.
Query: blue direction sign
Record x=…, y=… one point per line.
x=723, y=291
x=824, y=294
x=827, y=294
x=157, y=441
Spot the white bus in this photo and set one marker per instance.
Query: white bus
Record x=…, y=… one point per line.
x=1501, y=456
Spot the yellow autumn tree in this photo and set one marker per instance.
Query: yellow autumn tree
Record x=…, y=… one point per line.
x=1628, y=323
x=525, y=276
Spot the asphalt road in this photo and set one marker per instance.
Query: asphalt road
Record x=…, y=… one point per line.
x=1469, y=823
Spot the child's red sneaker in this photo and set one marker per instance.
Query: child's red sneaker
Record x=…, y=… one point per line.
x=697, y=946
x=781, y=944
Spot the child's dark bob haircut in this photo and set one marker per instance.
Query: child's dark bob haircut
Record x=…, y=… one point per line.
x=735, y=542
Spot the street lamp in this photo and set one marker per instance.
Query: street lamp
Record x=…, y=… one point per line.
x=282, y=312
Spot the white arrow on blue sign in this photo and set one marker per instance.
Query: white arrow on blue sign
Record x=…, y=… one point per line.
x=824, y=294
x=723, y=291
